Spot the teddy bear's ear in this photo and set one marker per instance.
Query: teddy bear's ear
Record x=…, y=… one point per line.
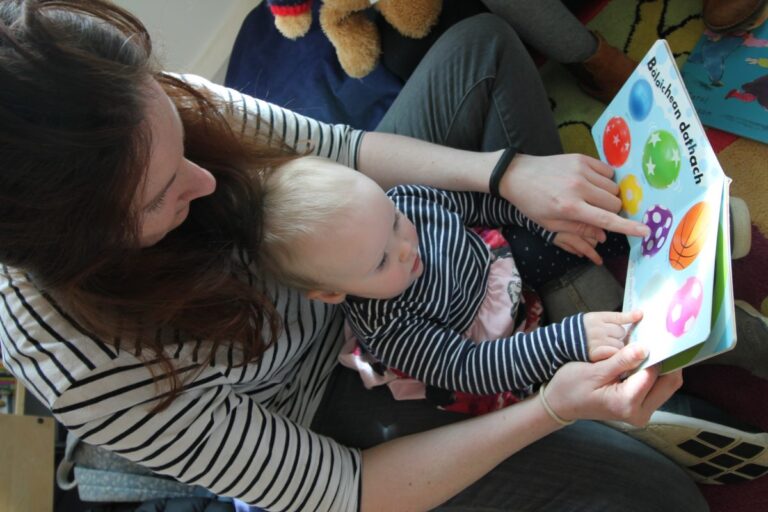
x=292, y=17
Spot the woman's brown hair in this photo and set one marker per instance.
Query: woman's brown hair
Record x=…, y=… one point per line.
x=74, y=147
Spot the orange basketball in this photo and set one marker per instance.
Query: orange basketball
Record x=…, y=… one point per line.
x=689, y=236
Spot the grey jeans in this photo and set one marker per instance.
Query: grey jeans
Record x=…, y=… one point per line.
x=477, y=88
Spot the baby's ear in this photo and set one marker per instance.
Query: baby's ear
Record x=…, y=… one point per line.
x=326, y=296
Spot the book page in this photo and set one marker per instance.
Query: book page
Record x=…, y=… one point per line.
x=722, y=336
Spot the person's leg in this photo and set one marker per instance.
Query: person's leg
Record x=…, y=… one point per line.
x=476, y=88
x=586, y=466
x=733, y=16
x=548, y=26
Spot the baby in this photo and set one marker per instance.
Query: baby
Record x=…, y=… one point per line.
x=420, y=289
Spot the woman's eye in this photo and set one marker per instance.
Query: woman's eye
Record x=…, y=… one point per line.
x=156, y=205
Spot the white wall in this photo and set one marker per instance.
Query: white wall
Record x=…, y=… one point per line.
x=192, y=36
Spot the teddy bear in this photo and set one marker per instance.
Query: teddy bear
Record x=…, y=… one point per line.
x=348, y=27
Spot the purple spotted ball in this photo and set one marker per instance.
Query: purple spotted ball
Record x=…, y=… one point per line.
x=659, y=219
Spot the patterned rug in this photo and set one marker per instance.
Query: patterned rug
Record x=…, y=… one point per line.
x=633, y=25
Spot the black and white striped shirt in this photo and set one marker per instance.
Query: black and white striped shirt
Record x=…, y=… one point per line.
x=237, y=430
x=420, y=331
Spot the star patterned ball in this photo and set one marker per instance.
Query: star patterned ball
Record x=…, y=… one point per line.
x=685, y=307
x=631, y=194
x=661, y=159
x=640, y=100
x=659, y=219
x=616, y=141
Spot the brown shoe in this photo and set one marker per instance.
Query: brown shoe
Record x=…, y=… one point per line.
x=723, y=16
x=602, y=75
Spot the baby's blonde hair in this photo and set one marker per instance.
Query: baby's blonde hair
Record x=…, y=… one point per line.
x=300, y=198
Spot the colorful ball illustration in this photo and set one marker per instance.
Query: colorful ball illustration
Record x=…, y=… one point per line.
x=659, y=219
x=690, y=236
x=631, y=194
x=685, y=307
x=661, y=159
x=616, y=141
x=640, y=99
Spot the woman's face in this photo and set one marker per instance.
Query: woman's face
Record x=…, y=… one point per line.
x=171, y=181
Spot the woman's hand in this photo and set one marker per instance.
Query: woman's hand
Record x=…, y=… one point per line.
x=578, y=245
x=568, y=193
x=595, y=391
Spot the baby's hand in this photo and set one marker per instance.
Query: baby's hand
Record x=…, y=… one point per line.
x=579, y=245
x=605, y=332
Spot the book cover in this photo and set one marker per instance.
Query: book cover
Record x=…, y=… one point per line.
x=727, y=77
x=670, y=180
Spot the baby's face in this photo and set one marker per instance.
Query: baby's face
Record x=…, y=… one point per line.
x=371, y=251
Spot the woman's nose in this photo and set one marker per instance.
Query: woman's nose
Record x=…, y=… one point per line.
x=199, y=182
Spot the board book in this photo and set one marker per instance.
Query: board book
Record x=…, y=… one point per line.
x=669, y=179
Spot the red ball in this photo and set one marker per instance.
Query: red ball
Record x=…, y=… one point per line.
x=616, y=141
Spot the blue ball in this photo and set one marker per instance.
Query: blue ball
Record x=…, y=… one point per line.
x=640, y=100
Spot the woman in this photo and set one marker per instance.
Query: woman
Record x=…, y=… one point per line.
x=130, y=307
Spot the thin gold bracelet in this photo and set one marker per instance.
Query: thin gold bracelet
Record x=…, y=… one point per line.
x=552, y=414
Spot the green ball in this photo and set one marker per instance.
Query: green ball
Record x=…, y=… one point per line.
x=661, y=159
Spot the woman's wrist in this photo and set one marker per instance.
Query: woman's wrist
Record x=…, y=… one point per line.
x=510, y=185
x=554, y=415
x=499, y=170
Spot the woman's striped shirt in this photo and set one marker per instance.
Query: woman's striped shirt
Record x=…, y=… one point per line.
x=239, y=431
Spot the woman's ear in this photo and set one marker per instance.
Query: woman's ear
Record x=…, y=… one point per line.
x=326, y=296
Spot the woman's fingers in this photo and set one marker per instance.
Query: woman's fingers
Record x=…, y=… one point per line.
x=573, y=250
x=648, y=391
x=602, y=199
x=602, y=181
x=592, y=221
x=599, y=166
x=665, y=386
x=624, y=361
x=585, y=248
x=609, y=221
x=580, y=246
x=568, y=193
x=597, y=193
x=576, y=228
